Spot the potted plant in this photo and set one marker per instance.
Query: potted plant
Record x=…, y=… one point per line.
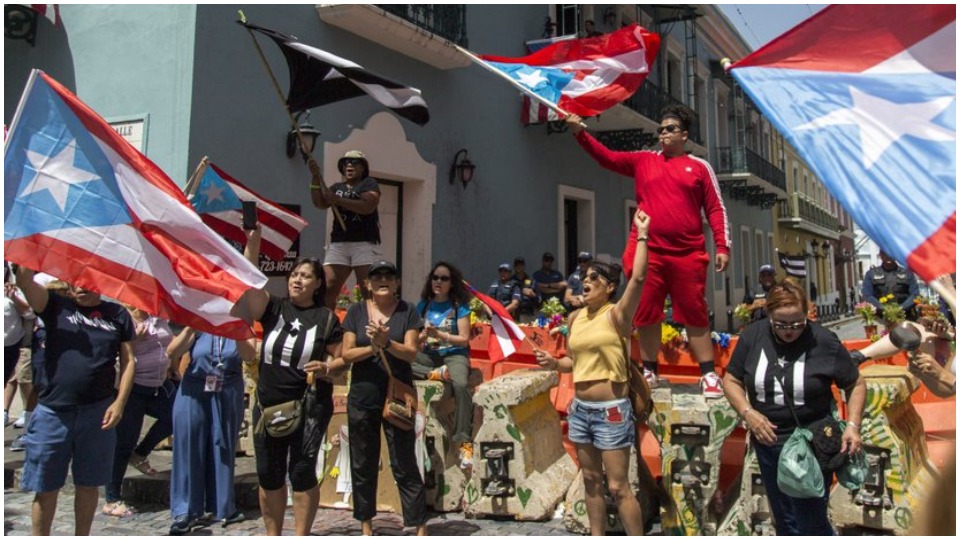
x=743, y=315
x=892, y=312
x=868, y=314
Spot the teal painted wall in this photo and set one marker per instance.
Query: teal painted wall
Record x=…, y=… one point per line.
x=123, y=61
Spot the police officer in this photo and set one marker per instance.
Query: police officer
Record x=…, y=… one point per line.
x=757, y=300
x=506, y=291
x=573, y=298
x=891, y=278
x=529, y=298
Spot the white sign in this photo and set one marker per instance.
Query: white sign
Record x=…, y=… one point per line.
x=131, y=131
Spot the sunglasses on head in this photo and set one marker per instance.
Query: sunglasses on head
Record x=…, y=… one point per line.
x=443, y=279
x=777, y=325
x=669, y=128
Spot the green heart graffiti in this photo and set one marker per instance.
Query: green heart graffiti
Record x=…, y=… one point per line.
x=472, y=494
x=524, y=496
x=514, y=432
x=428, y=393
x=444, y=488
x=722, y=421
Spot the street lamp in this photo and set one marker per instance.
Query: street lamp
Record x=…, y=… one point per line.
x=309, y=134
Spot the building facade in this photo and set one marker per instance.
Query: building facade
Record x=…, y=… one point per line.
x=184, y=81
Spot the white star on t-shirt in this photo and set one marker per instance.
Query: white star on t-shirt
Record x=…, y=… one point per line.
x=296, y=325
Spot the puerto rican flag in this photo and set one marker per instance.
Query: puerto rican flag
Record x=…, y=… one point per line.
x=82, y=204
x=584, y=76
x=507, y=335
x=867, y=96
x=217, y=198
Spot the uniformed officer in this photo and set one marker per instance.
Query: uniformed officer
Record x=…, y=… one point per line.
x=891, y=278
x=757, y=300
x=505, y=290
x=573, y=298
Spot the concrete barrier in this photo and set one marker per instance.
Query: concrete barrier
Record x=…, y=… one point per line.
x=691, y=431
x=749, y=511
x=520, y=467
x=444, y=479
x=900, y=475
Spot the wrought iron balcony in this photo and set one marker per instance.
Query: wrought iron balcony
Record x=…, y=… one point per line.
x=649, y=100
x=742, y=160
x=426, y=32
x=799, y=212
x=448, y=21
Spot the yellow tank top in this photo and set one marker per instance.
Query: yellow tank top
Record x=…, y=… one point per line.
x=596, y=348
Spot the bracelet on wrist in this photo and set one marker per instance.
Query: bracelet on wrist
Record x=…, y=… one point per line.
x=745, y=411
x=854, y=424
x=315, y=187
x=643, y=238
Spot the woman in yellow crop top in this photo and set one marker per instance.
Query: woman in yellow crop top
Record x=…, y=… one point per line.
x=601, y=418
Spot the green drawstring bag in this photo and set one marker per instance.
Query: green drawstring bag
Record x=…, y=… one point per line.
x=798, y=473
x=853, y=473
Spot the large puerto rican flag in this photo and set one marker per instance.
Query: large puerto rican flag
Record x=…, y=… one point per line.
x=584, y=76
x=217, y=198
x=867, y=96
x=507, y=336
x=82, y=204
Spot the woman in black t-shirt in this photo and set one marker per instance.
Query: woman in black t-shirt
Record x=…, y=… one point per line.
x=791, y=362
x=383, y=324
x=298, y=335
x=356, y=246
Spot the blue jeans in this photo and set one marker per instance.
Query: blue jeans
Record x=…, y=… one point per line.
x=793, y=516
x=143, y=401
x=607, y=425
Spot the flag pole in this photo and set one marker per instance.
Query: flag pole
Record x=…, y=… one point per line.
x=317, y=178
x=553, y=106
x=194, y=181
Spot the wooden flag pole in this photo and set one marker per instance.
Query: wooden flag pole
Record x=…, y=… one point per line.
x=476, y=60
x=194, y=181
x=317, y=178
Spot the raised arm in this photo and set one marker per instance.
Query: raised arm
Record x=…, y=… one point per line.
x=618, y=162
x=627, y=305
x=253, y=303
x=37, y=295
x=181, y=343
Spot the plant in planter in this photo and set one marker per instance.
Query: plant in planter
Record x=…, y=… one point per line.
x=892, y=312
x=868, y=314
x=551, y=313
x=742, y=314
x=478, y=314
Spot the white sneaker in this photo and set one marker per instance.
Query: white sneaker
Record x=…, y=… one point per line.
x=711, y=386
x=19, y=422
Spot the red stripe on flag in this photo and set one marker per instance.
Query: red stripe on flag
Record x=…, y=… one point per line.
x=139, y=289
x=938, y=254
x=270, y=216
x=852, y=38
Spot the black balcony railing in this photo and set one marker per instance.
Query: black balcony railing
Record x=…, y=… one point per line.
x=798, y=207
x=649, y=100
x=739, y=159
x=446, y=21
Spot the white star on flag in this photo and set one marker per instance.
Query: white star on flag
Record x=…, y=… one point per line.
x=531, y=79
x=882, y=122
x=213, y=193
x=56, y=174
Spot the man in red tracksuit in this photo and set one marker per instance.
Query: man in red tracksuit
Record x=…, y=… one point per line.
x=672, y=187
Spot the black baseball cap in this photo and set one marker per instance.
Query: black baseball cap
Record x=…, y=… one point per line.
x=548, y=255
x=584, y=256
x=519, y=260
x=383, y=267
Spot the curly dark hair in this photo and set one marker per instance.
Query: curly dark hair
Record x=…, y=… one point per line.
x=319, y=295
x=458, y=292
x=680, y=112
x=610, y=272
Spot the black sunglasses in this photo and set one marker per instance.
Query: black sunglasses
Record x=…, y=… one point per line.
x=595, y=276
x=669, y=128
x=352, y=161
x=444, y=279
x=788, y=326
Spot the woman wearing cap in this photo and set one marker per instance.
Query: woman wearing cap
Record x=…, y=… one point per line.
x=355, y=247
x=381, y=328
x=445, y=346
x=600, y=418
x=781, y=373
x=299, y=334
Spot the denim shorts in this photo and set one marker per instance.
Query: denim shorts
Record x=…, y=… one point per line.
x=54, y=438
x=607, y=425
x=352, y=254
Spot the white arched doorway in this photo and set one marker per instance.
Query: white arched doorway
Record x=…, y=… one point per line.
x=406, y=203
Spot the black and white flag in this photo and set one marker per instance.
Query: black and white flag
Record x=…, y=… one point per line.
x=318, y=78
x=793, y=265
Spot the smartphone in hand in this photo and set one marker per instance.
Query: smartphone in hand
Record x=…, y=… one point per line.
x=249, y=215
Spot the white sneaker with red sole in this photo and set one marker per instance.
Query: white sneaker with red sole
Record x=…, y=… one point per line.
x=711, y=386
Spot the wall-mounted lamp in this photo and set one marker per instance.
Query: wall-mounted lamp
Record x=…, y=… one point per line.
x=461, y=170
x=309, y=133
x=19, y=22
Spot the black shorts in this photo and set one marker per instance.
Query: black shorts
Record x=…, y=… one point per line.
x=276, y=455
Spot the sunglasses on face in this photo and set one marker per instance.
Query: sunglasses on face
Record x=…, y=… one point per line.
x=595, y=276
x=352, y=161
x=443, y=279
x=777, y=325
x=669, y=128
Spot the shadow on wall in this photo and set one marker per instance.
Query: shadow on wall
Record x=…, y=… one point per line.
x=50, y=52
